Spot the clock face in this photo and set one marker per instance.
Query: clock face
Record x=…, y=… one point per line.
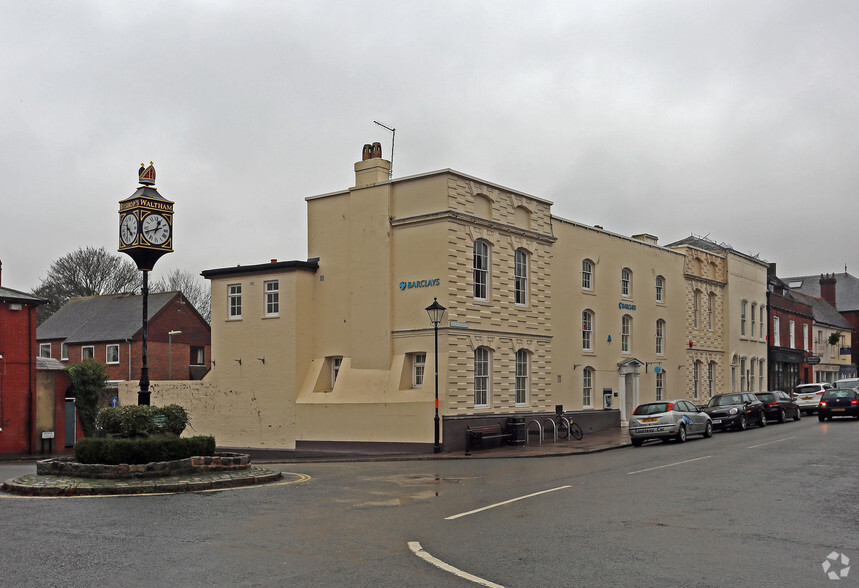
x=156, y=229
x=128, y=229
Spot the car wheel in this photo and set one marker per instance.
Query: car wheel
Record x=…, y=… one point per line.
x=637, y=442
x=708, y=430
x=798, y=415
x=763, y=422
x=821, y=418
x=681, y=434
x=741, y=424
x=782, y=417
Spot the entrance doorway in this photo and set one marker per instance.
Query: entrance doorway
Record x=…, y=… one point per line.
x=629, y=372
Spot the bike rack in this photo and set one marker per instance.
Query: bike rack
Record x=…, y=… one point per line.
x=554, y=428
x=539, y=430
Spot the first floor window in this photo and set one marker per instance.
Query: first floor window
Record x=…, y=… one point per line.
x=481, y=377
x=660, y=337
x=112, y=353
x=64, y=351
x=520, y=277
x=522, y=377
x=87, y=352
x=660, y=385
x=44, y=350
x=481, y=270
x=272, y=298
x=419, y=362
x=235, y=301
x=587, y=330
x=587, y=275
x=625, y=333
x=588, y=387
x=198, y=356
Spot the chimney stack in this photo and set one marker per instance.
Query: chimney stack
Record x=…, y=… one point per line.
x=827, y=288
x=372, y=169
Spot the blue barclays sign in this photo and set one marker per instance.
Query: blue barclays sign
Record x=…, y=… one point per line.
x=625, y=306
x=420, y=284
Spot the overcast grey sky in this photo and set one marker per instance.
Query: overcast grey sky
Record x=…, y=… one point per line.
x=733, y=119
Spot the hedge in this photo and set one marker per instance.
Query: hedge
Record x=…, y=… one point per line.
x=140, y=421
x=141, y=450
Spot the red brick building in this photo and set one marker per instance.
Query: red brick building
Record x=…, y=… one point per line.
x=18, y=394
x=109, y=329
x=791, y=318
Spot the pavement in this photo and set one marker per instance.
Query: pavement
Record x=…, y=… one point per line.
x=51, y=486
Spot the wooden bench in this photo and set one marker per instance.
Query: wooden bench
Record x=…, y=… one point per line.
x=476, y=435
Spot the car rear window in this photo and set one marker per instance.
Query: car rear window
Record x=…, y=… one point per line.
x=652, y=408
x=766, y=397
x=807, y=389
x=838, y=393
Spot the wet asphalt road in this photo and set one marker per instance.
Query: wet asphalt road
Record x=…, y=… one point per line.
x=763, y=507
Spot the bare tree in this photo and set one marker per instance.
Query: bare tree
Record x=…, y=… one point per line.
x=87, y=271
x=192, y=286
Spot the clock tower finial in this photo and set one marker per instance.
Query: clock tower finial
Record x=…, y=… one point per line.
x=147, y=174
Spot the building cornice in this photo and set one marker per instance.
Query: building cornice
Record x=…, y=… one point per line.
x=468, y=219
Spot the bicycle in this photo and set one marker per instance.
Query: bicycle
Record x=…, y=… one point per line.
x=567, y=426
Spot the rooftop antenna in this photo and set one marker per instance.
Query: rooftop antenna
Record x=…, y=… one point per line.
x=393, y=136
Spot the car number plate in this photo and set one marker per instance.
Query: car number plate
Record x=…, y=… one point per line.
x=808, y=397
x=649, y=420
x=837, y=410
x=717, y=421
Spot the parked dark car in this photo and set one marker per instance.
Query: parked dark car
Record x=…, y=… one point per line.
x=736, y=410
x=779, y=405
x=838, y=402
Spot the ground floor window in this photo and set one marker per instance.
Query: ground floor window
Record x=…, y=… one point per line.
x=660, y=385
x=419, y=362
x=481, y=377
x=522, y=371
x=588, y=387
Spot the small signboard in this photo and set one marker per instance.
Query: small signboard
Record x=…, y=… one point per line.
x=47, y=434
x=458, y=325
x=812, y=360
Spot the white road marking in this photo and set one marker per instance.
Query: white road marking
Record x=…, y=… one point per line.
x=769, y=442
x=419, y=551
x=463, y=514
x=668, y=465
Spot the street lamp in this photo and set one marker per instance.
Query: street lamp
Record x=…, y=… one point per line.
x=436, y=313
x=170, y=353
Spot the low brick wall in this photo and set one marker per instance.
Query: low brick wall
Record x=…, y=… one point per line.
x=220, y=462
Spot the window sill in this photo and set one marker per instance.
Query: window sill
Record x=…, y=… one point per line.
x=270, y=316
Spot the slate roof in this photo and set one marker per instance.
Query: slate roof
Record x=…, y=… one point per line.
x=49, y=364
x=10, y=295
x=846, y=289
x=101, y=318
x=823, y=312
x=710, y=245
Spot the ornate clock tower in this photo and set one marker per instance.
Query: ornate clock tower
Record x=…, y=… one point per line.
x=145, y=234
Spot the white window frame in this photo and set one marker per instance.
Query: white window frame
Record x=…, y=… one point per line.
x=743, y=310
x=107, y=349
x=710, y=311
x=91, y=350
x=234, y=301
x=626, y=334
x=419, y=365
x=588, y=387
x=42, y=347
x=696, y=310
x=752, y=365
x=587, y=275
x=763, y=322
x=660, y=337
x=696, y=380
x=626, y=283
x=791, y=333
x=480, y=269
x=776, y=333
x=523, y=377
x=660, y=289
x=743, y=382
x=754, y=319
x=711, y=378
x=805, y=340
x=64, y=351
x=272, y=297
x=482, y=383
x=660, y=385
x=520, y=277
x=587, y=330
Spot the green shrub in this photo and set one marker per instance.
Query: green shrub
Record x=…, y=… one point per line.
x=88, y=379
x=133, y=421
x=141, y=450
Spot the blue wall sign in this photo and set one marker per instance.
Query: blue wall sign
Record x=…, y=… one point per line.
x=625, y=306
x=420, y=284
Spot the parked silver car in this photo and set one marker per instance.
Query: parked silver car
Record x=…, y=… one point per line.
x=673, y=419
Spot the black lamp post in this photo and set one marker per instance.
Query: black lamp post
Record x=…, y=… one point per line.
x=436, y=313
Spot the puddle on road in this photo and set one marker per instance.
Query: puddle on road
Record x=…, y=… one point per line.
x=410, y=488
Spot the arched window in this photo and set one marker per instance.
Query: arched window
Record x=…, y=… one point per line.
x=743, y=308
x=522, y=377
x=696, y=380
x=711, y=378
x=660, y=289
x=481, y=270
x=625, y=333
x=626, y=282
x=660, y=337
x=588, y=387
x=696, y=310
x=520, y=277
x=587, y=275
x=587, y=330
x=752, y=366
x=754, y=319
x=481, y=377
x=711, y=309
